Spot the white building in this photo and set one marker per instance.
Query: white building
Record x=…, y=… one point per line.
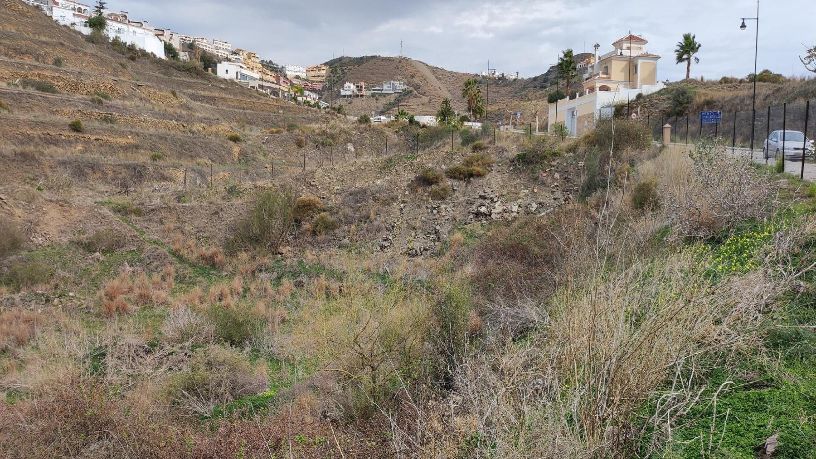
x=295, y=71
x=390, y=87
x=611, y=79
x=139, y=34
x=236, y=71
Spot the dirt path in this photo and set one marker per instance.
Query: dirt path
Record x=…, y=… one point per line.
x=431, y=78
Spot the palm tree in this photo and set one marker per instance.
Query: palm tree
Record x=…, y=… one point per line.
x=686, y=50
x=567, y=69
x=473, y=95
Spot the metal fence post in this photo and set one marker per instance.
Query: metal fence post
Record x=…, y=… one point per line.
x=687, y=129
x=804, y=147
x=734, y=135
x=700, y=134
x=784, y=133
x=767, y=134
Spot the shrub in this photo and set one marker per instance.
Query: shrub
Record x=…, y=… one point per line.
x=76, y=126
x=104, y=241
x=478, y=147
x=644, y=196
x=717, y=193
x=530, y=256
x=236, y=325
x=97, y=101
x=126, y=208
x=236, y=138
x=560, y=130
x=156, y=156
x=364, y=119
x=535, y=156
x=324, y=223
x=306, y=207
x=440, y=192
x=267, y=224
x=38, y=85
x=476, y=165
x=429, y=177
x=11, y=238
x=469, y=137
x=215, y=376
x=628, y=135
x=102, y=95
x=58, y=61
x=27, y=273
x=681, y=100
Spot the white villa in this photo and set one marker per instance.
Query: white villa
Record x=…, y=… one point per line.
x=613, y=78
x=75, y=15
x=236, y=71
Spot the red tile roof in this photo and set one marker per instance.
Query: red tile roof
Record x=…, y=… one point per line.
x=633, y=38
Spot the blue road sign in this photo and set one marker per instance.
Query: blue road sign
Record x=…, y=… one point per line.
x=710, y=117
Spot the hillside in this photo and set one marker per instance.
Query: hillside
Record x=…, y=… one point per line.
x=432, y=84
x=191, y=269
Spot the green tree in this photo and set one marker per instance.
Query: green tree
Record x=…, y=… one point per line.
x=170, y=51
x=97, y=22
x=99, y=8
x=567, y=69
x=446, y=116
x=809, y=59
x=556, y=95
x=686, y=51
x=472, y=94
x=208, y=61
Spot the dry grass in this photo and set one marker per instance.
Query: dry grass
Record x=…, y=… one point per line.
x=18, y=327
x=135, y=289
x=11, y=238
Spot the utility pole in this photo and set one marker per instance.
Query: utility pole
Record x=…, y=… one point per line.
x=487, y=103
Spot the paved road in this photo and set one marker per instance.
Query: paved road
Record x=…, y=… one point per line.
x=792, y=167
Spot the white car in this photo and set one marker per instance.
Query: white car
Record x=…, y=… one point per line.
x=794, y=143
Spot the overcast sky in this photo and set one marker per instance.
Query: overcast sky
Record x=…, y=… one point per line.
x=522, y=36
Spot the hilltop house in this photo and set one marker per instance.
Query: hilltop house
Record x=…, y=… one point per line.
x=354, y=90
x=390, y=87
x=317, y=73
x=613, y=78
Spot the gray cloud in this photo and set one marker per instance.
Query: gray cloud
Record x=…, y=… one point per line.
x=516, y=35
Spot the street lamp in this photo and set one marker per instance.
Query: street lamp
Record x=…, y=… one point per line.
x=743, y=26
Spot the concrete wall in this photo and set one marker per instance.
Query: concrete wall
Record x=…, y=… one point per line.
x=648, y=73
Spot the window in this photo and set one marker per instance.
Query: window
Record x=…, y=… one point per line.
x=636, y=68
x=794, y=136
x=606, y=70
